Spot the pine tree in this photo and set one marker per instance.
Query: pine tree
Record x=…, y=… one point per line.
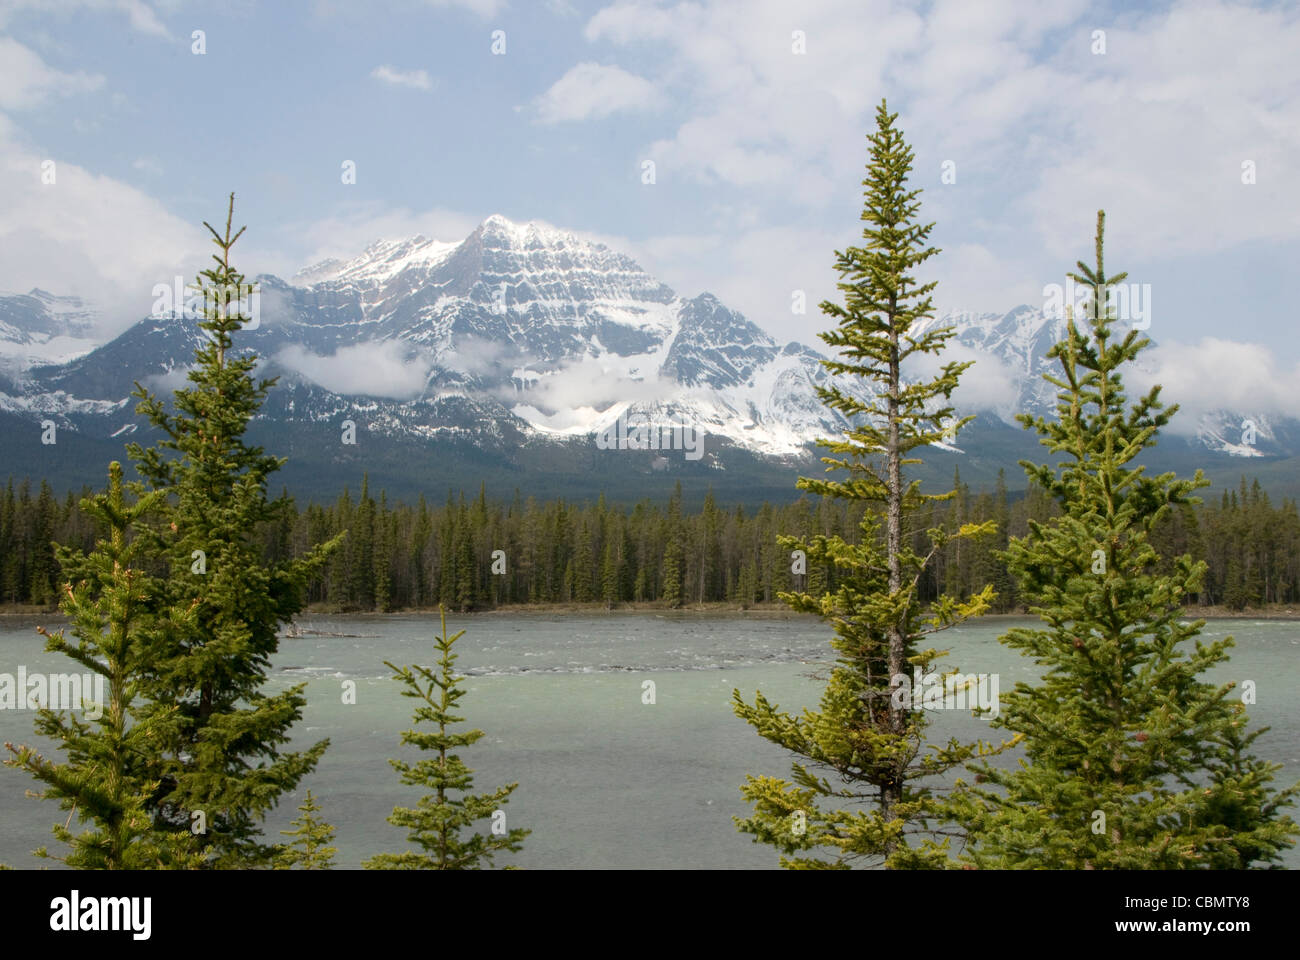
x=361, y=547
x=466, y=568
x=584, y=564
x=438, y=822
x=338, y=578
x=9, y=561
x=112, y=769
x=383, y=548
x=672, y=588
x=44, y=567
x=419, y=544
x=309, y=850
x=1134, y=760
x=866, y=744
x=610, y=585
x=221, y=735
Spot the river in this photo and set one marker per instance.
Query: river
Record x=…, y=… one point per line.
x=606, y=780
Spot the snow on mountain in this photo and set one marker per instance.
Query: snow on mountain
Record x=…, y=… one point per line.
x=1013, y=347
x=568, y=335
x=517, y=333
x=39, y=327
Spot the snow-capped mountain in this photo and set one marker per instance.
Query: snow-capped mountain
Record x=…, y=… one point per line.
x=1013, y=347
x=38, y=327
x=512, y=350
x=518, y=326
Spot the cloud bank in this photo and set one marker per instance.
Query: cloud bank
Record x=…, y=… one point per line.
x=382, y=369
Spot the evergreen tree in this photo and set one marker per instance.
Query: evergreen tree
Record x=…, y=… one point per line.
x=419, y=544
x=338, y=578
x=1122, y=733
x=310, y=849
x=466, y=568
x=44, y=567
x=221, y=736
x=361, y=546
x=112, y=770
x=438, y=822
x=610, y=583
x=672, y=588
x=866, y=743
x=10, y=586
x=383, y=547
x=673, y=592
x=584, y=564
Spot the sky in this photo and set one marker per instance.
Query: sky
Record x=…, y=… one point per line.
x=1181, y=120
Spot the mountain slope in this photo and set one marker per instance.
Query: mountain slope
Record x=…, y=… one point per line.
x=502, y=359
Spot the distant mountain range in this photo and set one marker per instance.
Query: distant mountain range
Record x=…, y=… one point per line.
x=511, y=359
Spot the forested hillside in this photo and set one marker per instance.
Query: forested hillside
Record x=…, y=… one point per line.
x=401, y=555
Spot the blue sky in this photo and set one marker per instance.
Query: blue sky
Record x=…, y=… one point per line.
x=758, y=149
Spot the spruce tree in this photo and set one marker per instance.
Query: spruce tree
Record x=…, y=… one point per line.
x=44, y=567
x=222, y=737
x=112, y=770
x=438, y=823
x=672, y=588
x=310, y=849
x=866, y=747
x=1134, y=760
x=610, y=589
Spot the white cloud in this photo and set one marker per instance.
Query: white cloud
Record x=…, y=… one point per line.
x=167, y=383
x=416, y=79
x=87, y=235
x=587, y=383
x=1043, y=133
x=973, y=278
x=476, y=356
x=26, y=81
x=593, y=91
x=760, y=114
x=383, y=369
x=988, y=385
x=1215, y=375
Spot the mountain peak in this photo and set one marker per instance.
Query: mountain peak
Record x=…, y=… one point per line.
x=380, y=261
x=520, y=235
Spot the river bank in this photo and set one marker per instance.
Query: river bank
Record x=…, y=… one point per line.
x=1274, y=611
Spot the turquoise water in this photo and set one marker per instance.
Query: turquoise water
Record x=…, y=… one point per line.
x=605, y=780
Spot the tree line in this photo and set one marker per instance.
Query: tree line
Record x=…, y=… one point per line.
x=397, y=556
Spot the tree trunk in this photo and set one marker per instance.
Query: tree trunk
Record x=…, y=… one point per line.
x=891, y=793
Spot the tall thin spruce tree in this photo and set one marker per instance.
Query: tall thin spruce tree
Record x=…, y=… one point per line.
x=866, y=747
x=111, y=769
x=438, y=823
x=221, y=736
x=1135, y=761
